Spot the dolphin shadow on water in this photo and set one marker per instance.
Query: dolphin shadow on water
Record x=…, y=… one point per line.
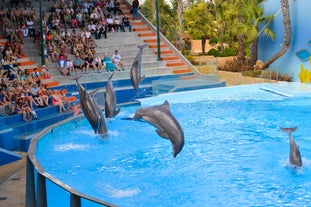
x=136, y=77
x=91, y=109
x=111, y=109
x=294, y=153
x=167, y=126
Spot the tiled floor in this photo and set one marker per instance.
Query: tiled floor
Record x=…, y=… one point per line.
x=13, y=183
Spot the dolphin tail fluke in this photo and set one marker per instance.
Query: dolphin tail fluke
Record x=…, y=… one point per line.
x=142, y=46
x=288, y=130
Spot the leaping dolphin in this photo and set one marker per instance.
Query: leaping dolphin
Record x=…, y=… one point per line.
x=294, y=153
x=136, y=77
x=110, y=100
x=91, y=109
x=166, y=124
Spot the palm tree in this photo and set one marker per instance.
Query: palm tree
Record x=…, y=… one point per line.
x=253, y=13
x=241, y=47
x=287, y=36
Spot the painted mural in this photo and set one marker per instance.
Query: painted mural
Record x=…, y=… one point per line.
x=296, y=61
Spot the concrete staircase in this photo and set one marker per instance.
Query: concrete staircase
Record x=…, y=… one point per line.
x=126, y=42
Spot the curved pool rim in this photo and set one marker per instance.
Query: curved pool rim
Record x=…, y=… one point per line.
x=37, y=196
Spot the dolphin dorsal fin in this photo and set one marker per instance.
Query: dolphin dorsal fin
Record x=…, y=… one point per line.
x=166, y=105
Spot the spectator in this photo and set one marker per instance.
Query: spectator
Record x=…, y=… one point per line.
x=98, y=64
x=135, y=7
x=89, y=62
x=57, y=101
x=116, y=7
x=117, y=23
x=61, y=60
x=45, y=72
x=110, y=23
x=69, y=66
x=22, y=108
x=39, y=101
x=117, y=60
x=126, y=23
x=78, y=62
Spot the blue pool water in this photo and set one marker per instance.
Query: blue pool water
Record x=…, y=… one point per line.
x=234, y=152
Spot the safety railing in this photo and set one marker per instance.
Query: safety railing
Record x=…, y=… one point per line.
x=36, y=180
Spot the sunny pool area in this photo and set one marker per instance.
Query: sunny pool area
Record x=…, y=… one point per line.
x=234, y=153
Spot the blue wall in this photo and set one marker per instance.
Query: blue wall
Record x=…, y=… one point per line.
x=300, y=15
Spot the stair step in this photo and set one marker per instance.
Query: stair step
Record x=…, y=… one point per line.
x=174, y=64
x=146, y=34
x=181, y=71
x=170, y=58
x=26, y=63
x=150, y=40
x=140, y=23
x=165, y=52
x=156, y=46
x=188, y=77
x=141, y=29
x=52, y=84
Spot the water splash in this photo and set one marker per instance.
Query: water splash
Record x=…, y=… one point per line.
x=121, y=193
x=71, y=146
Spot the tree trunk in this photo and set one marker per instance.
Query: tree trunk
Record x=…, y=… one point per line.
x=254, y=52
x=241, y=46
x=203, y=43
x=287, y=36
x=154, y=10
x=180, y=11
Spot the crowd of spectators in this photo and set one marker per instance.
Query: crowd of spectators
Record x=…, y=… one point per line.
x=68, y=26
x=72, y=29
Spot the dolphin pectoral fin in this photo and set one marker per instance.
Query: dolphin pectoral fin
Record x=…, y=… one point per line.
x=93, y=92
x=162, y=134
x=117, y=112
x=142, y=78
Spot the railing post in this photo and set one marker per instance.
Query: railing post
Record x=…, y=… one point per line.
x=75, y=201
x=30, y=185
x=41, y=191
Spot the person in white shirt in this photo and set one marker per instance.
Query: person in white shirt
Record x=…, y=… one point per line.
x=117, y=60
x=69, y=66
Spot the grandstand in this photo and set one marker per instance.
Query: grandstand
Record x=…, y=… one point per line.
x=170, y=74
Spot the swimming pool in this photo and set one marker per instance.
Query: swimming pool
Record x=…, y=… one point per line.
x=234, y=152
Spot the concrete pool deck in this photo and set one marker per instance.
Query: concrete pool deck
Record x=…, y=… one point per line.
x=13, y=183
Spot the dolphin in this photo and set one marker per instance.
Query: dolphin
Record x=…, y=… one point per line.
x=110, y=100
x=166, y=124
x=102, y=129
x=136, y=77
x=294, y=153
x=91, y=109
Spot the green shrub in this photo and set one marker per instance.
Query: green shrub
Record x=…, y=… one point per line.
x=252, y=73
x=226, y=53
